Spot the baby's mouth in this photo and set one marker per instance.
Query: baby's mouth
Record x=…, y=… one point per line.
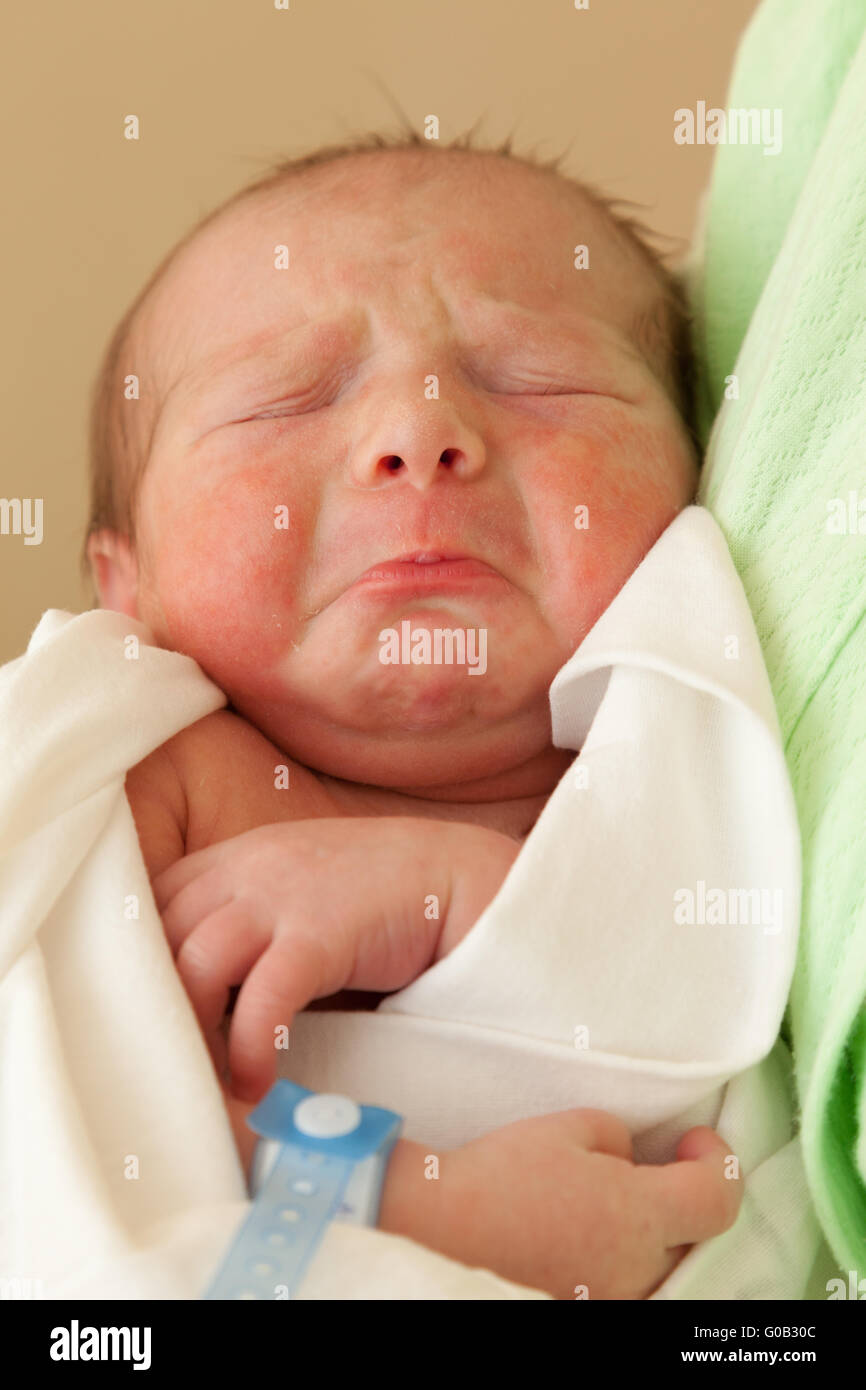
x=426, y=569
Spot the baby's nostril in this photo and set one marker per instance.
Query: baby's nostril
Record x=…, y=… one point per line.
x=393, y=462
x=447, y=457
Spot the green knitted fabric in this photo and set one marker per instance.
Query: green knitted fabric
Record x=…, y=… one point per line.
x=778, y=289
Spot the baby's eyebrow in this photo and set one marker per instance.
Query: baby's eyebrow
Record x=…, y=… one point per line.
x=315, y=341
x=320, y=343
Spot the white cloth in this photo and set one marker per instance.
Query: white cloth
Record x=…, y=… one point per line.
x=118, y=1174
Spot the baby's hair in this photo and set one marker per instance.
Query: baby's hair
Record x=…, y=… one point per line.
x=119, y=448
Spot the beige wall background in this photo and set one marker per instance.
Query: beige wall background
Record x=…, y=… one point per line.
x=221, y=87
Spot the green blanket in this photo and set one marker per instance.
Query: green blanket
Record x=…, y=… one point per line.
x=778, y=285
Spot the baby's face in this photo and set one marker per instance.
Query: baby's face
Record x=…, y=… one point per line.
x=429, y=374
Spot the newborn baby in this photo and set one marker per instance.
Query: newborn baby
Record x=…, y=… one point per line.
x=374, y=399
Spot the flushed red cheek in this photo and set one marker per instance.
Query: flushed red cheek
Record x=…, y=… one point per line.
x=598, y=509
x=228, y=579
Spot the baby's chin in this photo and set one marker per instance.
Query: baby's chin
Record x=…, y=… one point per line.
x=427, y=755
x=424, y=700
x=403, y=725
x=425, y=674
x=388, y=702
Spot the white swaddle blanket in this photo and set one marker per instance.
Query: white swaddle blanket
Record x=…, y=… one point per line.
x=583, y=983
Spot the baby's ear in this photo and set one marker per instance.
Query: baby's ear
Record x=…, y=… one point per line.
x=115, y=571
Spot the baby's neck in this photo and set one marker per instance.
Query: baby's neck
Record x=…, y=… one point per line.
x=510, y=803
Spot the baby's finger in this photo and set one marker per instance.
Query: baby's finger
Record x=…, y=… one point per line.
x=293, y=971
x=216, y=955
x=183, y=871
x=602, y=1132
x=201, y=897
x=696, y=1197
x=218, y=1048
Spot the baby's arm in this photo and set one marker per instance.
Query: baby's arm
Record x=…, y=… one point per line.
x=300, y=910
x=554, y=1202
x=541, y=1202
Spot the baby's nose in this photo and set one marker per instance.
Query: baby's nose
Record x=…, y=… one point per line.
x=422, y=448
x=420, y=469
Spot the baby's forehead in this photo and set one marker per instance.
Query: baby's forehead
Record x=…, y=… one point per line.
x=382, y=223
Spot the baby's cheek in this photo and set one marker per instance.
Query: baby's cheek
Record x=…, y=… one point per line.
x=229, y=574
x=599, y=508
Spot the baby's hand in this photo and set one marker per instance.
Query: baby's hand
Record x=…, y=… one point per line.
x=303, y=909
x=556, y=1202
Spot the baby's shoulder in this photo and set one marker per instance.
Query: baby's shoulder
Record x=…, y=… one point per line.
x=215, y=779
x=210, y=745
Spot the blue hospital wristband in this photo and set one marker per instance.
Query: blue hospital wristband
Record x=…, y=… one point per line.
x=321, y=1158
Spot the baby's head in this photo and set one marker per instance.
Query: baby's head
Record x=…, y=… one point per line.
x=393, y=351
